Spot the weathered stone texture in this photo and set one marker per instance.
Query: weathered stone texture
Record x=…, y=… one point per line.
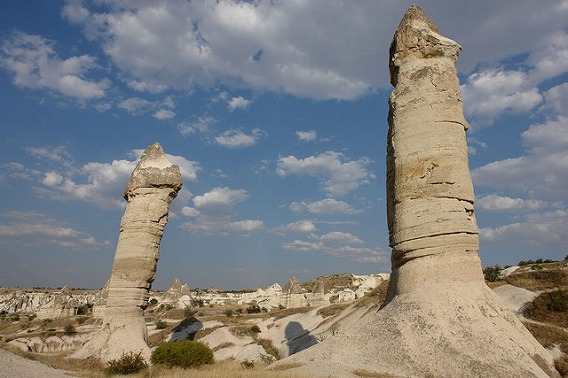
x=153, y=185
x=440, y=319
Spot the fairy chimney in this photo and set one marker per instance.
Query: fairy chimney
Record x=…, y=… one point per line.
x=153, y=185
x=440, y=318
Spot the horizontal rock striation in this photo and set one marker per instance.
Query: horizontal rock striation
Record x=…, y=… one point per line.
x=153, y=185
x=440, y=319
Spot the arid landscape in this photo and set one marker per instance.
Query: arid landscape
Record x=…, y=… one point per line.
x=436, y=313
x=249, y=330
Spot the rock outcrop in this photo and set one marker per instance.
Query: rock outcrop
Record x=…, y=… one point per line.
x=440, y=319
x=153, y=185
x=46, y=304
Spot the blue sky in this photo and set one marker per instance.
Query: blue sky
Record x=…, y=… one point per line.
x=276, y=113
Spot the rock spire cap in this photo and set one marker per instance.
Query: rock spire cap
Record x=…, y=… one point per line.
x=154, y=170
x=417, y=37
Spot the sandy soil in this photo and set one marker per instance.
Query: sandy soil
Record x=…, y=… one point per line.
x=14, y=366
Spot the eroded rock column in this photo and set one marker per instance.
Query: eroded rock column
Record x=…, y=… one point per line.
x=153, y=185
x=432, y=227
x=440, y=318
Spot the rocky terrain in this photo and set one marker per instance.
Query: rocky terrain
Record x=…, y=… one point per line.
x=256, y=327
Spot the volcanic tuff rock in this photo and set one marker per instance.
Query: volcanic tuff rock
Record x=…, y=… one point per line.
x=440, y=319
x=153, y=185
x=44, y=304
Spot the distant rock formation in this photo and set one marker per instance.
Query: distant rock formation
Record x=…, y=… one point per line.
x=45, y=304
x=440, y=319
x=153, y=185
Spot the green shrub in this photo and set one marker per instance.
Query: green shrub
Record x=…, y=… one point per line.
x=197, y=302
x=537, y=267
x=557, y=300
x=160, y=324
x=229, y=313
x=492, y=273
x=182, y=353
x=253, y=309
x=246, y=364
x=69, y=329
x=128, y=363
x=85, y=309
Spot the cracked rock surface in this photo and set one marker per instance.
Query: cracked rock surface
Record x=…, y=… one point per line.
x=440, y=319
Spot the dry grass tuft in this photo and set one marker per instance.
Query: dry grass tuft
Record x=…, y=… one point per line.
x=371, y=374
x=285, y=367
x=269, y=348
x=332, y=310
x=223, y=345
x=280, y=314
x=375, y=297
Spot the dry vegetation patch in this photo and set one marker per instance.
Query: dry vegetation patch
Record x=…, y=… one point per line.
x=539, y=279
x=550, y=307
x=269, y=348
x=550, y=336
x=375, y=297
x=332, y=310
x=281, y=314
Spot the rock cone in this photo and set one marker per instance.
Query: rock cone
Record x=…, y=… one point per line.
x=440, y=319
x=153, y=185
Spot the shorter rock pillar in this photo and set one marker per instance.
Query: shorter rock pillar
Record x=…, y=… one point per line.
x=153, y=185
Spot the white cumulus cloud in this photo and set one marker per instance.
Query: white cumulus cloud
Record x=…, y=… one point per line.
x=35, y=65
x=338, y=175
x=238, y=103
x=306, y=136
x=235, y=138
x=493, y=202
x=326, y=206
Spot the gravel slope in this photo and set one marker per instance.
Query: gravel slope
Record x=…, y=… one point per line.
x=14, y=366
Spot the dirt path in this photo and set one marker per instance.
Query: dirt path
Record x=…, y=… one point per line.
x=14, y=366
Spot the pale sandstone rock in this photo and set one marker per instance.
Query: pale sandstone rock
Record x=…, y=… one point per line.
x=440, y=318
x=153, y=185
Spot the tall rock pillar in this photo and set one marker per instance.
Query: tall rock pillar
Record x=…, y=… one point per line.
x=153, y=185
x=432, y=227
x=440, y=318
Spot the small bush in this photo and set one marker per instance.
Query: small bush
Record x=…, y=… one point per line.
x=492, y=273
x=561, y=365
x=537, y=267
x=557, y=301
x=128, y=363
x=269, y=348
x=255, y=329
x=69, y=329
x=253, y=309
x=182, y=353
x=247, y=364
x=160, y=324
x=229, y=313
